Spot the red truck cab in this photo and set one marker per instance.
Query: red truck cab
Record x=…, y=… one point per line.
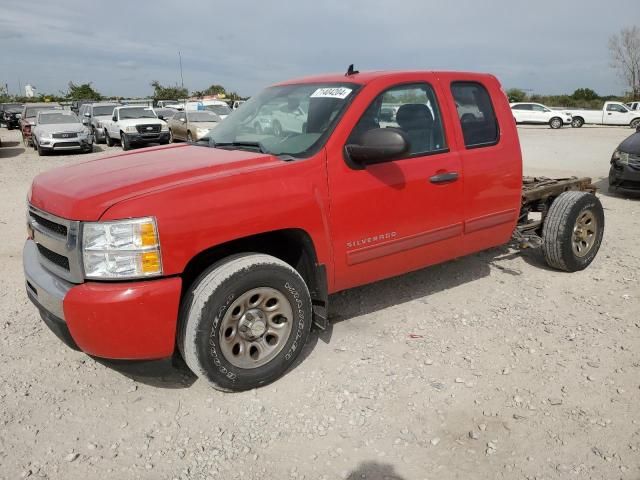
x=226, y=249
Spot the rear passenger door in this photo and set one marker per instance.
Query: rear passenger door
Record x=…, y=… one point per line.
x=491, y=161
x=403, y=214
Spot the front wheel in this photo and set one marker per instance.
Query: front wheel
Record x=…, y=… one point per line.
x=555, y=123
x=635, y=123
x=244, y=321
x=189, y=137
x=107, y=138
x=124, y=142
x=577, y=122
x=573, y=231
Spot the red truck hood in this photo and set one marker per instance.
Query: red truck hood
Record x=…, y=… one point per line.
x=86, y=190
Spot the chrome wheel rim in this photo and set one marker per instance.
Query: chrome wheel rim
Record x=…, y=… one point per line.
x=555, y=123
x=255, y=328
x=584, y=233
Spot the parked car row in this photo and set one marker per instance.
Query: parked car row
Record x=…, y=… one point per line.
x=612, y=113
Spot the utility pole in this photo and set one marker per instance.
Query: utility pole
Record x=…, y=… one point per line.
x=181, y=77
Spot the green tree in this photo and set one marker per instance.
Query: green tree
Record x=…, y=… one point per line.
x=83, y=91
x=585, y=94
x=215, y=90
x=516, y=95
x=168, y=93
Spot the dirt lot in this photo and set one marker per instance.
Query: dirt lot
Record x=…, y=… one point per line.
x=491, y=366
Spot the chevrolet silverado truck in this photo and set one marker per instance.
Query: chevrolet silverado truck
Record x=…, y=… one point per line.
x=134, y=126
x=225, y=250
x=613, y=113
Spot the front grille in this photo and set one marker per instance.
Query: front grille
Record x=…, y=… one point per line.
x=148, y=128
x=53, y=257
x=65, y=135
x=66, y=144
x=57, y=240
x=49, y=225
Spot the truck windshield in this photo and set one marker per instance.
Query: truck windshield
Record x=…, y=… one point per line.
x=103, y=110
x=136, y=112
x=287, y=120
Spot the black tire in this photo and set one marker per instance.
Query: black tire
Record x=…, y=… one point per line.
x=107, y=138
x=171, y=139
x=555, y=123
x=189, y=137
x=577, y=122
x=558, y=233
x=41, y=152
x=635, y=123
x=124, y=142
x=9, y=127
x=207, y=304
x=277, y=128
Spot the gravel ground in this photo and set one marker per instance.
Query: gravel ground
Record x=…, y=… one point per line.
x=491, y=366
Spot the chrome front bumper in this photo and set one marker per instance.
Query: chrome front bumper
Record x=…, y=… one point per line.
x=45, y=290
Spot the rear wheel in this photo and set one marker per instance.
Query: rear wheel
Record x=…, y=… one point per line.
x=572, y=231
x=244, y=321
x=555, y=123
x=171, y=136
x=107, y=138
x=189, y=137
x=577, y=122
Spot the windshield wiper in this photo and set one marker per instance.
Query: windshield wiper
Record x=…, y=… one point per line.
x=257, y=145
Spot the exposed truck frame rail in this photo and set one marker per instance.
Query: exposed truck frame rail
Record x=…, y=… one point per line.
x=538, y=194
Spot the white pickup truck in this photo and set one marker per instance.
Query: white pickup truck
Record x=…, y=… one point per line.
x=613, y=113
x=135, y=125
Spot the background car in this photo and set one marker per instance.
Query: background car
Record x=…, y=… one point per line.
x=60, y=130
x=290, y=117
x=28, y=118
x=624, y=174
x=10, y=114
x=633, y=105
x=192, y=126
x=165, y=113
x=93, y=115
x=536, y=113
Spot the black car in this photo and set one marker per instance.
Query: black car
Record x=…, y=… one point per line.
x=10, y=115
x=624, y=174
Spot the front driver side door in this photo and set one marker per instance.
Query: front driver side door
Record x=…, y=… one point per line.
x=404, y=214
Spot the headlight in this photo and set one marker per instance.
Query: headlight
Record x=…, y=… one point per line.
x=130, y=129
x=122, y=249
x=165, y=127
x=622, y=158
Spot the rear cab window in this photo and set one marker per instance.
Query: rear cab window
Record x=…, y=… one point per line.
x=476, y=114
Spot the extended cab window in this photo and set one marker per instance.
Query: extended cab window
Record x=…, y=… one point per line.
x=523, y=106
x=476, y=114
x=411, y=108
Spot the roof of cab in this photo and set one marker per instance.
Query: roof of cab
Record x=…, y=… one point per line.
x=363, y=78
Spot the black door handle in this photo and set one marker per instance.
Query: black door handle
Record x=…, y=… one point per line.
x=447, y=177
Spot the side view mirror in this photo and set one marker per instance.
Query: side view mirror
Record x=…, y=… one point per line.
x=85, y=121
x=114, y=118
x=378, y=145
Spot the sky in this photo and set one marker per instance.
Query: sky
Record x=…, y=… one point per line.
x=541, y=46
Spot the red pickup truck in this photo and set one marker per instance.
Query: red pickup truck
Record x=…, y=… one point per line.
x=226, y=250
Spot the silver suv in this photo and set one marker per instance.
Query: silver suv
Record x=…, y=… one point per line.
x=93, y=114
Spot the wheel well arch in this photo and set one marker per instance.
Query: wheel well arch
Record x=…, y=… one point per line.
x=293, y=246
